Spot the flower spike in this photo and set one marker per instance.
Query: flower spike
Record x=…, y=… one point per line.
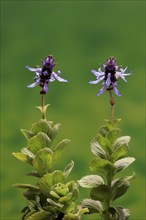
x=109, y=75
x=45, y=74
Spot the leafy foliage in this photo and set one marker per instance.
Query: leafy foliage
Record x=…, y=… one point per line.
x=52, y=197
x=111, y=157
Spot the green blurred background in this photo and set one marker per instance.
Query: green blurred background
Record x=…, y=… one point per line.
x=80, y=35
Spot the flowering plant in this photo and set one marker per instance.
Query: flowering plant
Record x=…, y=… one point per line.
x=110, y=156
x=51, y=197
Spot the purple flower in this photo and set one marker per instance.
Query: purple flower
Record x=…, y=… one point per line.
x=111, y=72
x=45, y=75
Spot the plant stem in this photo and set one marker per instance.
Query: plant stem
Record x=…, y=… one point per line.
x=43, y=101
x=112, y=103
x=107, y=215
x=108, y=202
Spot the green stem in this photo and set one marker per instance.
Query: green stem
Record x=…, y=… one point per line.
x=43, y=112
x=112, y=103
x=108, y=203
x=107, y=215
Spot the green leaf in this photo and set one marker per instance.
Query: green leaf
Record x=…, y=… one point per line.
x=59, y=149
x=97, y=150
x=39, y=141
x=120, y=186
x=53, y=203
x=124, y=140
x=31, y=206
x=113, y=134
x=48, y=180
x=102, y=166
x=58, y=177
x=119, y=213
x=52, y=210
x=104, y=143
x=33, y=173
x=91, y=181
x=61, y=189
x=68, y=169
x=92, y=205
x=26, y=186
x=54, y=131
x=37, y=203
x=104, y=130
x=77, y=215
x=113, y=124
x=101, y=193
x=126, y=212
x=109, y=124
x=41, y=126
x=83, y=211
x=119, y=153
x=27, y=133
x=28, y=153
x=45, y=184
x=66, y=198
x=31, y=193
x=40, y=215
x=43, y=109
x=42, y=162
x=68, y=208
x=51, y=123
x=20, y=156
x=71, y=185
x=54, y=194
x=26, y=216
x=116, y=122
x=123, y=163
x=75, y=194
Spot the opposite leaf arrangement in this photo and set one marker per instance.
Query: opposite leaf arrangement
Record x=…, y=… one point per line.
x=53, y=197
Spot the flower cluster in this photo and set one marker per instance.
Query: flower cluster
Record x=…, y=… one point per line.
x=45, y=74
x=111, y=72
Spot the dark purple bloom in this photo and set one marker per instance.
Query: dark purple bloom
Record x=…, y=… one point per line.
x=111, y=72
x=45, y=74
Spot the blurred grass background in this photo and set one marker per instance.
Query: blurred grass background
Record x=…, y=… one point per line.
x=80, y=35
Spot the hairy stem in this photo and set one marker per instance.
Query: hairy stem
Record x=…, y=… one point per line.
x=107, y=215
x=108, y=202
x=43, y=112
x=112, y=103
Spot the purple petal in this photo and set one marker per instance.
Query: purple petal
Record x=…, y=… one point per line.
x=45, y=88
x=123, y=70
x=116, y=67
x=96, y=81
x=116, y=90
x=33, y=69
x=33, y=84
x=45, y=73
x=103, y=65
x=119, y=74
x=108, y=81
x=102, y=89
x=52, y=79
x=58, y=72
x=126, y=74
x=97, y=73
x=58, y=77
